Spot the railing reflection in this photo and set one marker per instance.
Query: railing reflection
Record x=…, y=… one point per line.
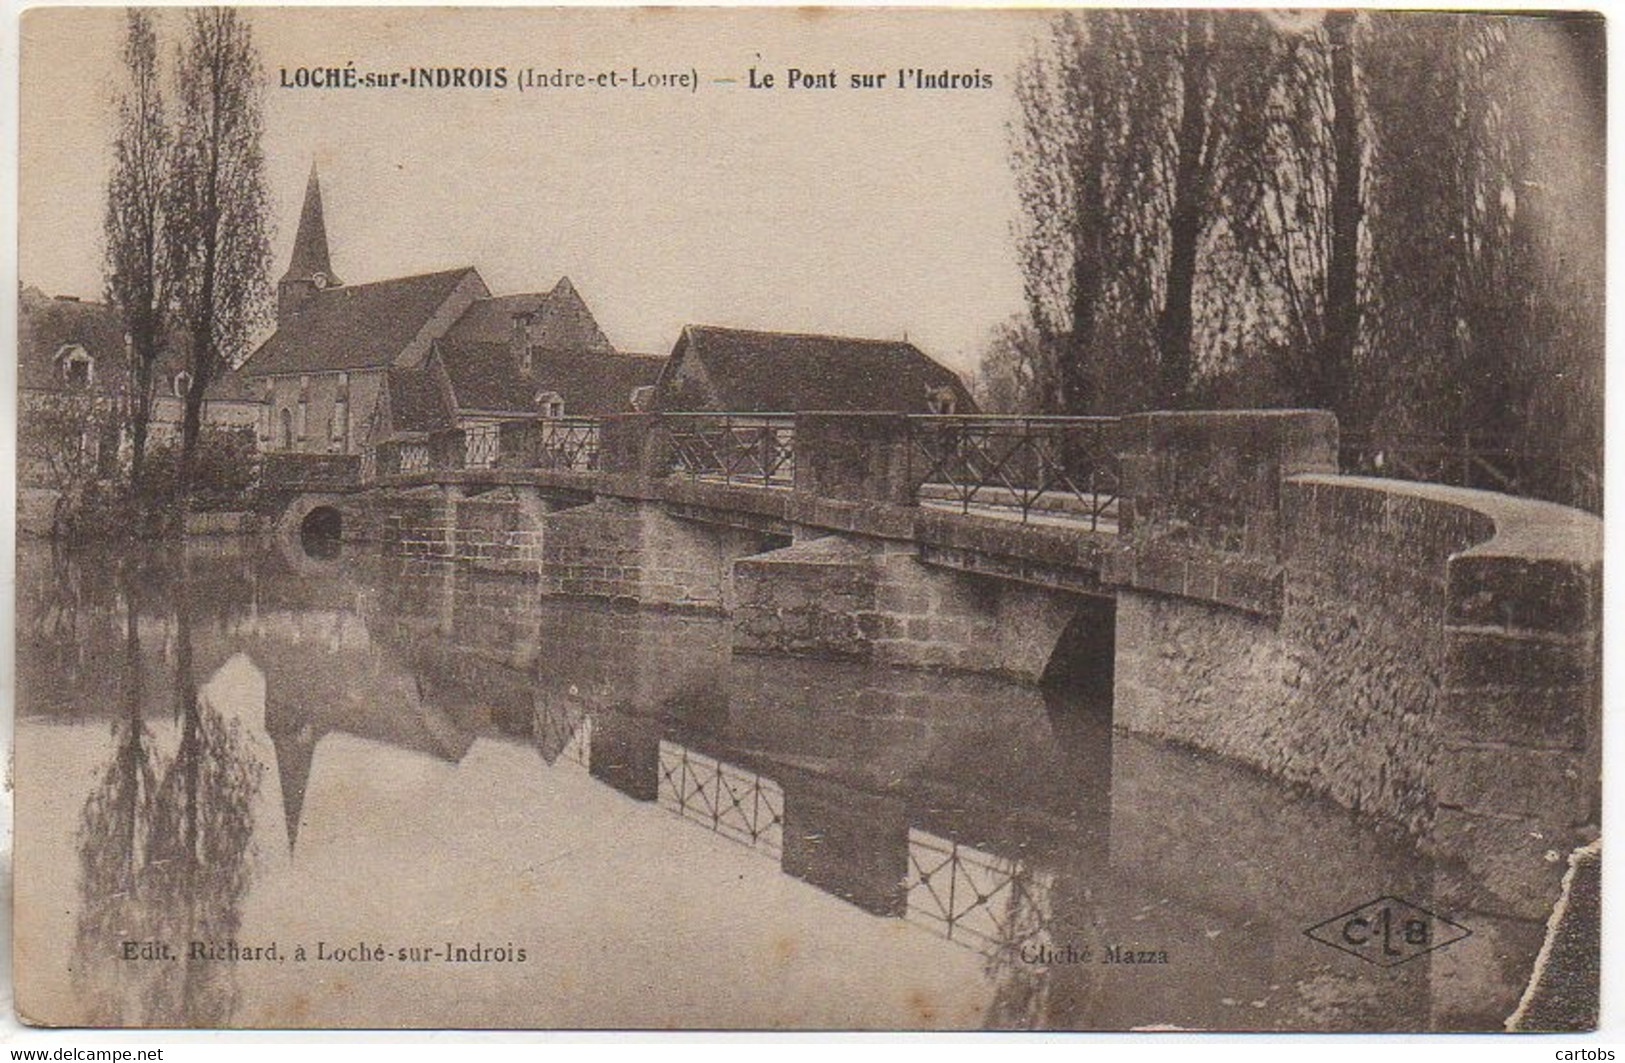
x=989, y=903
x=563, y=733
x=735, y=803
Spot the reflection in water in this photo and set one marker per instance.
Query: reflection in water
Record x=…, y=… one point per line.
x=445, y=724
x=163, y=850
x=738, y=804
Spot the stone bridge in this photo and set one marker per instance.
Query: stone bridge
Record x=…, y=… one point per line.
x=1424, y=654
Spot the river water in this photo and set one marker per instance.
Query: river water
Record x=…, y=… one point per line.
x=262, y=788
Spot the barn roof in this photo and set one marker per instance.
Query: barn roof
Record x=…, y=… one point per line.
x=485, y=377
x=416, y=401
x=760, y=372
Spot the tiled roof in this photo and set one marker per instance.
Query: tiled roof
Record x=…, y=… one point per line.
x=485, y=377
x=491, y=320
x=356, y=326
x=417, y=403
x=591, y=383
x=764, y=372
x=561, y=320
x=47, y=326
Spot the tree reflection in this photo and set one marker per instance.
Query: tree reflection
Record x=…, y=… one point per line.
x=164, y=852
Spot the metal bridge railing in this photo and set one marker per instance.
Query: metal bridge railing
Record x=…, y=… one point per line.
x=414, y=457
x=568, y=443
x=733, y=448
x=1042, y=468
x=480, y=446
x=1477, y=462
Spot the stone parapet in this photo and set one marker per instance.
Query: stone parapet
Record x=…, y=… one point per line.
x=1200, y=509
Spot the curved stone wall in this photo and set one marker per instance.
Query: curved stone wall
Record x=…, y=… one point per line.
x=1435, y=663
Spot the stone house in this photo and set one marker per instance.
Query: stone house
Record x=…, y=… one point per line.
x=475, y=383
x=69, y=347
x=748, y=371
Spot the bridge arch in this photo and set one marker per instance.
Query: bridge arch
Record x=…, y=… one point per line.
x=1082, y=661
x=322, y=522
x=324, y=513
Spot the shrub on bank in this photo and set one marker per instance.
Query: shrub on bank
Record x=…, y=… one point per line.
x=225, y=477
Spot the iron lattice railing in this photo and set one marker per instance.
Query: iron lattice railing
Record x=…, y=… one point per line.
x=414, y=457
x=738, y=804
x=1049, y=468
x=988, y=903
x=1485, y=464
x=733, y=448
x=568, y=443
x=480, y=446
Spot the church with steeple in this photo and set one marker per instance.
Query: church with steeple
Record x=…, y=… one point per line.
x=445, y=349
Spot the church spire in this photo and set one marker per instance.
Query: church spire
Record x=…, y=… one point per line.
x=310, y=255
x=309, y=268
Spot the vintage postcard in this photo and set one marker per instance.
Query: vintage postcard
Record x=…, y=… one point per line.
x=560, y=518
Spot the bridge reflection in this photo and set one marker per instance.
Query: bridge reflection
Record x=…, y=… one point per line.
x=1008, y=821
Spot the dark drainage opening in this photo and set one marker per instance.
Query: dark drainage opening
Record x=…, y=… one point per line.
x=321, y=531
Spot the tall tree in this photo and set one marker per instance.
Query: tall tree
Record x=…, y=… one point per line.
x=218, y=206
x=136, y=265
x=1135, y=162
x=1330, y=388
x=1192, y=166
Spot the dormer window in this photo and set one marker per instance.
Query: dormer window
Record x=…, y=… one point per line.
x=182, y=384
x=551, y=403
x=78, y=367
x=319, y=279
x=941, y=400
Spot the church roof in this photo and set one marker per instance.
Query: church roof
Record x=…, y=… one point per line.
x=762, y=372
x=310, y=255
x=357, y=326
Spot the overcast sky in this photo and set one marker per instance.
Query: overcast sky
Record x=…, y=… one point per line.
x=872, y=213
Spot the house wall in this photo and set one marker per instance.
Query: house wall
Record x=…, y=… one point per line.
x=321, y=391
x=687, y=387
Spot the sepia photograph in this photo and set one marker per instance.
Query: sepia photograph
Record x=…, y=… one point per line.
x=832, y=519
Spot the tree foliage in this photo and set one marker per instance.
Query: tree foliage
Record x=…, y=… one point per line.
x=136, y=268
x=218, y=231
x=1395, y=216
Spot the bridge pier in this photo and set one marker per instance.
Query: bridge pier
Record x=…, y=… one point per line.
x=858, y=598
x=633, y=552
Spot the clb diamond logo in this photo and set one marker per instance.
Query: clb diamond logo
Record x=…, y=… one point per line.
x=1388, y=931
